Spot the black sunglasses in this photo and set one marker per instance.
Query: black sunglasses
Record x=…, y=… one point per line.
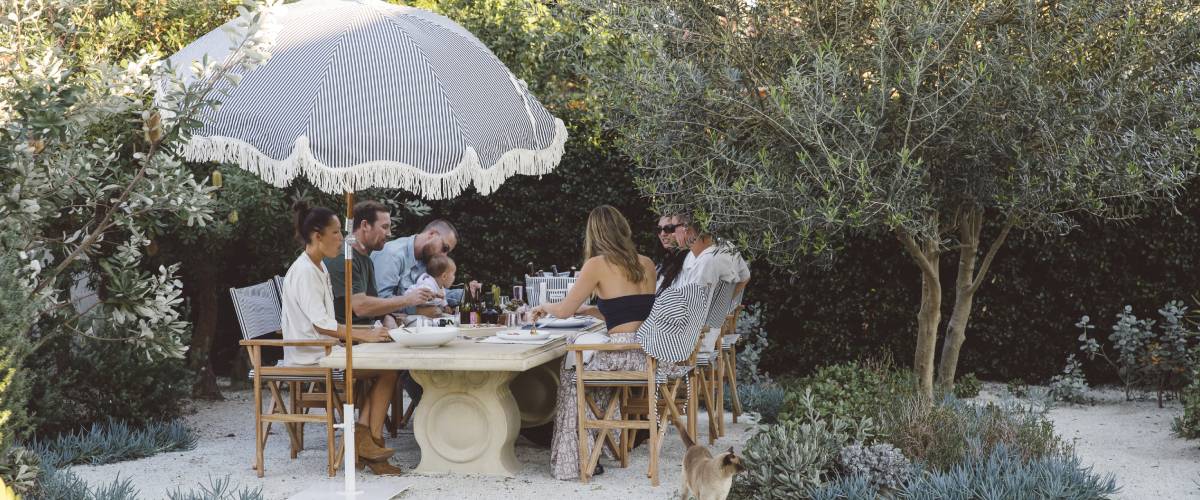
x=669, y=228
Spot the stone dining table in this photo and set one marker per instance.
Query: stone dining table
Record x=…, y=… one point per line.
x=468, y=417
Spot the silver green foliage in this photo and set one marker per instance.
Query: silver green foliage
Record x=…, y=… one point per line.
x=881, y=464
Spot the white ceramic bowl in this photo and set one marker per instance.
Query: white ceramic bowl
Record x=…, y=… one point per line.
x=424, y=336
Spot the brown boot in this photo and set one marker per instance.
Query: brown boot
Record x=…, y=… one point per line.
x=365, y=447
x=384, y=468
x=367, y=430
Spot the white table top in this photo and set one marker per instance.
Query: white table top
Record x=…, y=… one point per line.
x=458, y=355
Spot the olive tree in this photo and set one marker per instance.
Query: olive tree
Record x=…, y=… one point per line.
x=790, y=125
x=88, y=169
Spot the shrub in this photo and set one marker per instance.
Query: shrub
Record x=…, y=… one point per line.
x=1017, y=388
x=114, y=441
x=1146, y=356
x=749, y=326
x=19, y=469
x=845, y=488
x=217, y=489
x=967, y=386
x=1002, y=472
x=1069, y=386
x=1188, y=425
x=940, y=435
x=881, y=465
x=763, y=398
x=785, y=461
x=848, y=391
x=78, y=381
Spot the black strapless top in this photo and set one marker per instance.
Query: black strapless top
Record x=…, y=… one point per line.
x=620, y=310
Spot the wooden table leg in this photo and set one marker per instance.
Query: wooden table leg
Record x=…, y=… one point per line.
x=467, y=422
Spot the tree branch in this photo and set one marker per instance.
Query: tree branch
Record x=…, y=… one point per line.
x=916, y=252
x=995, y=247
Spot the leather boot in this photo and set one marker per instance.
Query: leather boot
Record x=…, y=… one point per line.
x=365, y=447
x=384, y=468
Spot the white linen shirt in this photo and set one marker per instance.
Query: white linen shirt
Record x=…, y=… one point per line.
x=307, y=301
x=719, y=262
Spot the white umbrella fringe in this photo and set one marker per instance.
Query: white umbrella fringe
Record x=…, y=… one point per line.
x=379, y=174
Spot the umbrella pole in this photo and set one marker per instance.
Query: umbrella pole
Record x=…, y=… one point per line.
x=348, y=420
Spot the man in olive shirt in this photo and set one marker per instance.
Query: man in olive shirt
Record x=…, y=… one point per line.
x=372, y=226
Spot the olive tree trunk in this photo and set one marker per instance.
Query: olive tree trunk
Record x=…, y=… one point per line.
x=967, y=283
x=926, y=254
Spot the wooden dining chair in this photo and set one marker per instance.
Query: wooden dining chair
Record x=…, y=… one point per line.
x=668, y=338
x=710, y=365
x=259, y=312
x=729, y=343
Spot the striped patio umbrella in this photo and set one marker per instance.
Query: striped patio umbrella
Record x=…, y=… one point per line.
x=364, y=94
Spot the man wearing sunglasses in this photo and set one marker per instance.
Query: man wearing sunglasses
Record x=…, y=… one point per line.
x=401, y=262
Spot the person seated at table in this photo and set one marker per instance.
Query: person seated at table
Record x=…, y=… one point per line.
x=673, y=255
x=437, y=278
x=623, y=282
x=309, y=314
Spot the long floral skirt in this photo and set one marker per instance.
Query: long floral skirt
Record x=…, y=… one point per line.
x=564, y=450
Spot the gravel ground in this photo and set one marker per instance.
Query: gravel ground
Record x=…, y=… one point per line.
x=1131, y=440
x=226, y=449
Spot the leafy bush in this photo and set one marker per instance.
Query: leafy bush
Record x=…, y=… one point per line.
x=847, y=391
x=754, y=344
x=763, y=398
x=881, y=465
x=967, y=386
x=19, y=469
x=1017, y=387
x=1069, y=386
x=845, y=488
x=1188, y=424
x=1002, y=472
x=784, y=461
x=940, y=435
x=78, y=381
x=114, y=441
x=1146, y=356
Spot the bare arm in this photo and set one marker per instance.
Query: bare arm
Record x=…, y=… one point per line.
x=359, y=334
x=585, y=284
x=366, y=306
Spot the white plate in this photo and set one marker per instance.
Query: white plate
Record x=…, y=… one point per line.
x=522, y=335
x=564, y=323
x=424, y=336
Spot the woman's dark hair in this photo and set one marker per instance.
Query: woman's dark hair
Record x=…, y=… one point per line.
x=671, y=266
x=310, y=220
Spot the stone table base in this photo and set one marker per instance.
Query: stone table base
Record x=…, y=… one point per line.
x=467, y=422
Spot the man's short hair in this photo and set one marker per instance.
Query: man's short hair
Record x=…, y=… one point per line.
x=443, y=227
x=367, y=211
x=438, y=264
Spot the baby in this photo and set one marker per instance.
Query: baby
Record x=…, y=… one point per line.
x=438, y=276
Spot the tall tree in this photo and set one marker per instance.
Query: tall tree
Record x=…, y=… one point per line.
x=790, y=124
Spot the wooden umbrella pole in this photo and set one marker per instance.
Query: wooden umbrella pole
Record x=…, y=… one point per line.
x=348, y=247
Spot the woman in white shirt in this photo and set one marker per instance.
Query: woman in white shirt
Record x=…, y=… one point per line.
x=308, y=315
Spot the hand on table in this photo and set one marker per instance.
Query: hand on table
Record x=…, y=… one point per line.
x=538, y=312
x=379, y=334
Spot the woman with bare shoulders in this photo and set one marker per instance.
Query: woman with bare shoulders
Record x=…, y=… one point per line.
x=623, y=282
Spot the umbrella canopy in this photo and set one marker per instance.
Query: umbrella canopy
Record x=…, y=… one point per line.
x=364, y=94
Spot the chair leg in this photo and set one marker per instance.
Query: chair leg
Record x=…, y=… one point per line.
x=258, y=422
x=581, y=418
x=706, y=382
x=732, y=374
x=330, y=394
x=692, y=403
x=720, y=393
x=396, y=412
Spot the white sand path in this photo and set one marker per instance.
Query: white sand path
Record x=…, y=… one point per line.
x=226, y=449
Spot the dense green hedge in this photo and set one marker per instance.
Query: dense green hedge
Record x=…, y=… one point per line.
x=1022, y=323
